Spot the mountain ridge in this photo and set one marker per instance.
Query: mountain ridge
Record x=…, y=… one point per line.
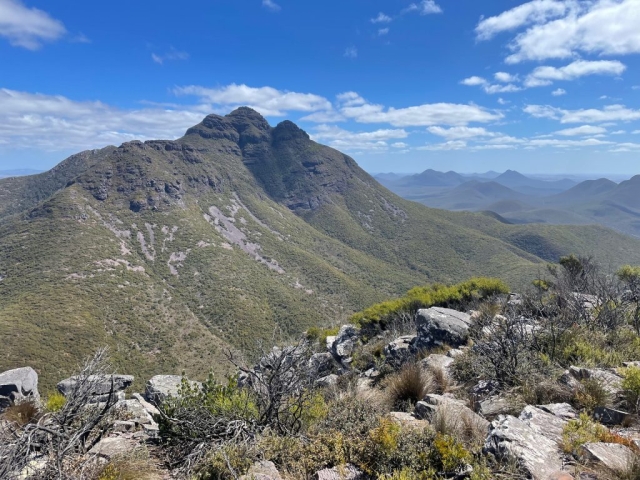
x=175, y=251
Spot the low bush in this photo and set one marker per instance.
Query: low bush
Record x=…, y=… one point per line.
x=136, y=465
x=631, y=386
x=454, y=296
x=580, y=431
x=591, y=394
x=55, y=401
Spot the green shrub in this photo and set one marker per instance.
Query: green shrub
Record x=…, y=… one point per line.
x=55, y=402
x=631, y=385
x=590, y=395
x=320, y=334
x=580, y=431
x=449, y=454
x=476, y=289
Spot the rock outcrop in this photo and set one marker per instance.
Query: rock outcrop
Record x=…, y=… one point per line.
x=441, y=326
x=18, y=384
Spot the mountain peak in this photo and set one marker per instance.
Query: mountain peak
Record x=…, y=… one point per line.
x=244, y=117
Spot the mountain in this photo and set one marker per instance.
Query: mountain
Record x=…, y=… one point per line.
x=20, y=172
x=388, y=177
x=532, y=186
x=432, y=178
x=474, y=195
x=24, y=192
x=238, y=233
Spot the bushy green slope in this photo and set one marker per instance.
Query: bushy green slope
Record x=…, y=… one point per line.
x=174, y=252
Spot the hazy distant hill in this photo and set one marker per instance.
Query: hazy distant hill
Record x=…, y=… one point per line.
x=20, y=172
x=520, y=199
x=174, y=251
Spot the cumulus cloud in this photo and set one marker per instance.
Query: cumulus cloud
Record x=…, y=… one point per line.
x=610, y=113
x=266, y=100
x=459, y=133
x=584, y=130
x=546, y=75
x=271, y=5
x=421, y=115
x=28, y=27
x=491, y=88
x=52, y=123
x=564, y=29
x=537, y=11
x=505, y=77
x=345, y=140
x=383, y=31
x=450, y=145
x=381, y=18
x=559, y=92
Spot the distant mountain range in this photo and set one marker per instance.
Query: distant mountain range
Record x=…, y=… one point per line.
x=174, y=252
x=18, y=172
x=521, y=199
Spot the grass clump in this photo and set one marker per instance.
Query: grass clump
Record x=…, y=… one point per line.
x=136, y=465
x=409, y=386
x=22, y=413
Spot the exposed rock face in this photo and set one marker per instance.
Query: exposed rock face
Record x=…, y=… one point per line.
x=543, y=423
x=399, y=351
x=343, y=472
x=161, y=386
x=494, y=406
x=609, y=379
x=439, y=326
x=345, y=343
x=512, y=438
x=436, y=361
x=610, y=416
x=322, y=363
x=613, y=456
x=110, y=447
x=562, y=410
x=18, y=384
x=262, y=471
x=101, y=384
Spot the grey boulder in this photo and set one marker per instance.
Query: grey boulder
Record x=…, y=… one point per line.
x=101, y=384
x=543, y=423
x=343, y=472
x=400, y=350
x=617, y=458
x=441, y=326
x=160, y=387
x=345, y=343
x=18, y=384
x=513, y=439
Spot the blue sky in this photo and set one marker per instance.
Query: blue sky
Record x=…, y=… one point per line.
x=547, y=86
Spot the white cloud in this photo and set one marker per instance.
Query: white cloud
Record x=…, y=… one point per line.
x=381, y=18
x=505, y=77
x=601, y=27
x=420, y=115
x=383, y=31
x=559, y=92
x=346, y=140
x=53, y=123
x=635, y=132
x=172, y=54
x=266, y=100
x=587, y=142
x=459, y=133
x=427, y=7
x=450, y=145
x=400, y=145
x=502, y=101
x=27, y=27
x=474, y=81
x=489, y=88
x=619, y=132
x=351, y=52
x=537, y=11
x=546, y=75
x=584, y=130
x=610, y=113
x=271, y=5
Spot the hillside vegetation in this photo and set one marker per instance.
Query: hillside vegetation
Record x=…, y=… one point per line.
x=173, y=252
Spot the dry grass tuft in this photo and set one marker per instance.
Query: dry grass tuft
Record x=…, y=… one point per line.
x=409, y=385
x=22, y=413
x=136, y=465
